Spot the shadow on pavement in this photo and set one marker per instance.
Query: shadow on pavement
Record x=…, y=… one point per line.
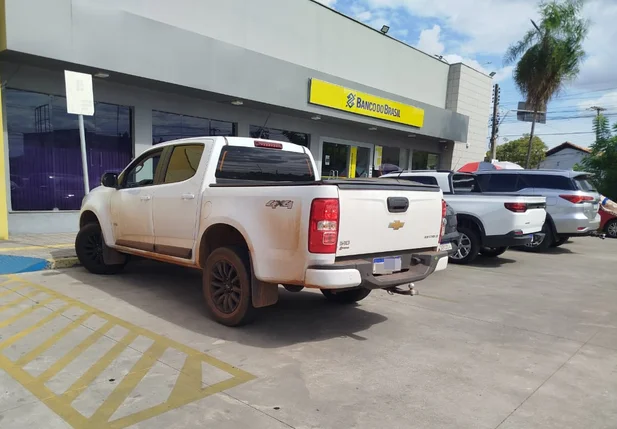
x=174, y=294
x=562, y=250
x=483, y=261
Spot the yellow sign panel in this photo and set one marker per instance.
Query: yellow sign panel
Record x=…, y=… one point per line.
x=349, y=100
x=353, y=156
x=378, y=156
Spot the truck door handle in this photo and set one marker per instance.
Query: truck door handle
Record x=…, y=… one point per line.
x=188, y=196
x=145, y=198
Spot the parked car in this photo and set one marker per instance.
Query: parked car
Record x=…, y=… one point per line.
x=608, y=223
x=572, y=203
x=488, y=223
x=253, y=214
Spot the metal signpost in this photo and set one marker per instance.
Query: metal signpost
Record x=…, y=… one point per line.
x=80, y=101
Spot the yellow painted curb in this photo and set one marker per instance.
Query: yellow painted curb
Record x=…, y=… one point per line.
x=68, y=262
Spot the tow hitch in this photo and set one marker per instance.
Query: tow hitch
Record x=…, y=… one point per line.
x=395, y=290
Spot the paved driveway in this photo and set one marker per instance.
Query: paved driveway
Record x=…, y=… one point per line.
x=522, y=341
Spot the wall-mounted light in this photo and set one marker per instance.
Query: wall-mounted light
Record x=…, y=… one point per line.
x=411, y=135
x=237, y=102
x=316, y=118
x=101, y=75
x=372, y=129
x=384, y=29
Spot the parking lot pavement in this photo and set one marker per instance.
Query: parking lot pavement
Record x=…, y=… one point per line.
x=522, y=341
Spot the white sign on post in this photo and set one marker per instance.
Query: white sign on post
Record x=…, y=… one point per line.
x=80, y=101
x=79, y=94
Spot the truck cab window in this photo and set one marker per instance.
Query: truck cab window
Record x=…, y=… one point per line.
x=183, y=163
x=142, y=173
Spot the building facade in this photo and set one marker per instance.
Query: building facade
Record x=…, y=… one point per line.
x=295, y=71
x=564, y=157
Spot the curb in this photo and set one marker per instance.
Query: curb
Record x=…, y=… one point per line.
x=60, y=263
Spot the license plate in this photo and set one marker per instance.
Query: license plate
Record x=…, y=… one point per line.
x=388, y=265
x=446, y=246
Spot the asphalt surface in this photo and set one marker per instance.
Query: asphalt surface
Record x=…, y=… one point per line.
x=520, y=341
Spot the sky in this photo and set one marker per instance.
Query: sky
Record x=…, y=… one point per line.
x=478, y=33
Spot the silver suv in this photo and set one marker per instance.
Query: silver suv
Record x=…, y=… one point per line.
x=572, y=202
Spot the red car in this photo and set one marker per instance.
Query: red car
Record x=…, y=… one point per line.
x=608, y=223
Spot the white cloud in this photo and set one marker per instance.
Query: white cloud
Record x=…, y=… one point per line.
x=329, y=3
x=608, y=101
x=429, y=41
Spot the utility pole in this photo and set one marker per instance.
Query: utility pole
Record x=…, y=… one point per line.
x=598, y=109
x=495, y=122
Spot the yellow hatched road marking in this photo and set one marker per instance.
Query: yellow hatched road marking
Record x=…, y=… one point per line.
x=77, y=350
x=95, y=370
x=41, y=348
x=187, y=387
x=19, y=300
x=11, y=340
x=25, y=312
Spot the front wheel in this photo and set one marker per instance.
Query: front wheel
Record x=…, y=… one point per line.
x=468, y=248
x=89, y=250
x=493, y=252
x=611, y=228
x=346, y=296
x=227, y=286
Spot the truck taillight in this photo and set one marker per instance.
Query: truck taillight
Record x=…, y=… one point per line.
x=444, y=222
x=323, y=225
x=516, y=207
x=576, y=199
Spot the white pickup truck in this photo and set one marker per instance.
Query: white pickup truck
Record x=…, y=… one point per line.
x=489, y=223
x=253, y=215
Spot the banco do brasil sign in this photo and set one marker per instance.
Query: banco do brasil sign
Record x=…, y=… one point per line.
x=338, y=97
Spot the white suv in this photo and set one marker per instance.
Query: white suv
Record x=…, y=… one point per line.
x=572, y=202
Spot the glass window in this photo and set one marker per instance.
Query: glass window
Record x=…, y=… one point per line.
x=547, y=181
x=424, y=161
x=183, y=163
x=393, y=159
x=425, y=180
x=261, y=164
x=45, y=152
x=464, y=183
x=143, y=172
x=499, y=182
x=281, y=135
x=584, y=184
x=171, y=126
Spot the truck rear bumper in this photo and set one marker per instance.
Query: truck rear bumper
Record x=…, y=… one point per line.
x=359, y=272
x=508, y=240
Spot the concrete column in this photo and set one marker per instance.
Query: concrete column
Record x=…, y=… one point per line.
x=142, y=128
x=4, y=174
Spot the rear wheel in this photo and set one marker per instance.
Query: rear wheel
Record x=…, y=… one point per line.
x=560, y=241
x=541, y=243
x=346, y=296
x=468, y=248
x=493, y=252
x=227, y=286
x=89, y=250
x=611, y=228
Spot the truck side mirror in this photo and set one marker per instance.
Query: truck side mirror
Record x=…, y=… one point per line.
x=109, y=180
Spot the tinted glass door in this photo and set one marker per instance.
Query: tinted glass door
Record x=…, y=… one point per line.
x=335, y=160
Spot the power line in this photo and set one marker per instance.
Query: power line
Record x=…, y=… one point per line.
x=552, y=134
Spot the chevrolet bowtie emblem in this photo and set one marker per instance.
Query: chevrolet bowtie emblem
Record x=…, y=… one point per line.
x=396, y=225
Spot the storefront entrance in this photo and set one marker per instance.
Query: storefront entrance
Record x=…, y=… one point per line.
x=344, y=160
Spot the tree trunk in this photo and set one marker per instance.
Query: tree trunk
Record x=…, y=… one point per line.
x=533, y=127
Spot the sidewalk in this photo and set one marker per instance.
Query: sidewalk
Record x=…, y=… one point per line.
x=34, y=252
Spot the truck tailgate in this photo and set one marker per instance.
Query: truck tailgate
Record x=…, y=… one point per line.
x=535, y=216
x=380, y=217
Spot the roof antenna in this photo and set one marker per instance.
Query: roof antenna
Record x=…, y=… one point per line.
x=261, y=131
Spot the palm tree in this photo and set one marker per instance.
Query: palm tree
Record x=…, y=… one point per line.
x=549, y=55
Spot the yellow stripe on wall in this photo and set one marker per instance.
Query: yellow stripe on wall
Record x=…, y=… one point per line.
x=4, y=208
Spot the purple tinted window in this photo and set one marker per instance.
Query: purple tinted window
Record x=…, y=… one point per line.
x=44, y=150
x=171, y=126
